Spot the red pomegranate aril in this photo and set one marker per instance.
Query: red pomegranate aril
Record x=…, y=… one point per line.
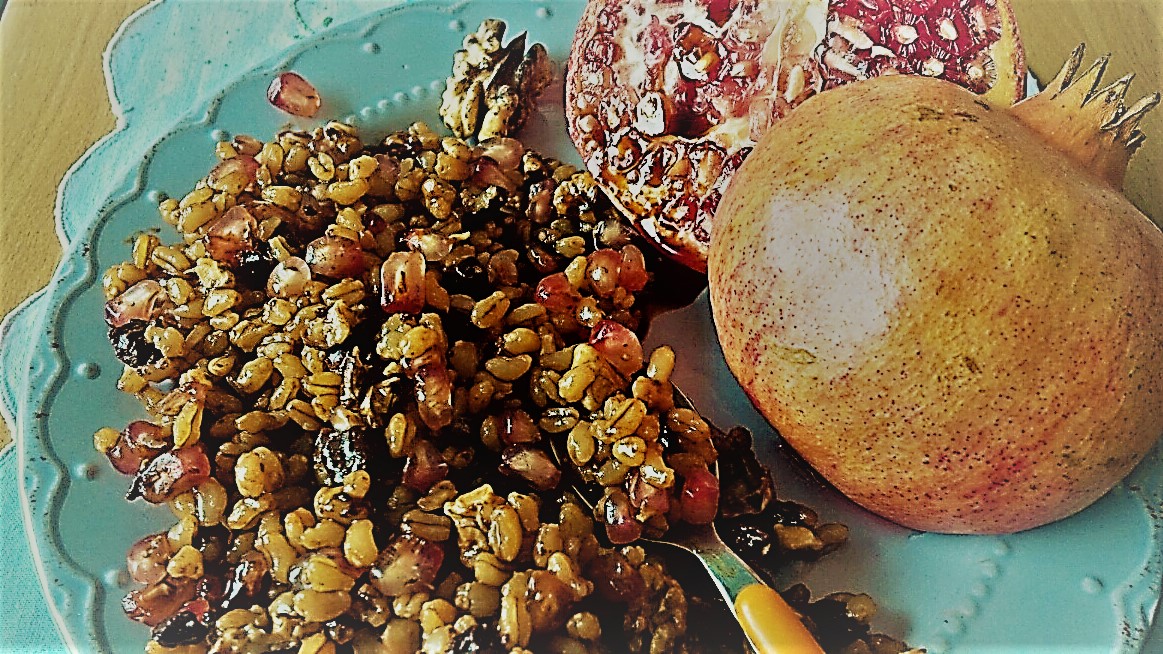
x=154, y=603
x=434, y=395
x=649, y=499
x=602, y=271
x=147, y=558
x=169, y=474
x=531, y=464
x=289, y=278
x=231, y=234
x=555, y=293
x=139, y=442
x=487, y=172
x=618, y=345
x=432, y=245
x=699, y=500
x=407, y=564
x=388, y=169
x=291, y=93
x=618, y=516
x=142, y=301
x=632, y=270
x=518, y=427
x=424, y=467
x=243, y=167
x=335, y=257
x=506, y=152
x=403, y=289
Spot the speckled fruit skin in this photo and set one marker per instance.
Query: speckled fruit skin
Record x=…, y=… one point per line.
x=954, y=324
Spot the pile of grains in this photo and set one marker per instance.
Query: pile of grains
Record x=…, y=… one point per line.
x=355, y=361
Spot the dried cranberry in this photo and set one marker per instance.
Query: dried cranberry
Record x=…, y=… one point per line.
x=248, y=580
x=189, y=625
x=131, y=347
x=254, y=267
x=750, y=540
x=467, y=277
x=615, y=579
x=338, y=454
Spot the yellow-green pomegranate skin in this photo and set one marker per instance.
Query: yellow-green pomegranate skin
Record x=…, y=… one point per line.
x=949, y=319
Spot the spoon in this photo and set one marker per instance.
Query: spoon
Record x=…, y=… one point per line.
x=770, y=625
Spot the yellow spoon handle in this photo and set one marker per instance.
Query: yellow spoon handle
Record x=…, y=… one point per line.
x=772, y=626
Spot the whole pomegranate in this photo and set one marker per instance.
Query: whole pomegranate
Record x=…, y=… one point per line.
x=665, y=98
x=949, y=309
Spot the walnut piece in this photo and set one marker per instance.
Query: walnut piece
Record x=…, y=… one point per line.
x=492, y=88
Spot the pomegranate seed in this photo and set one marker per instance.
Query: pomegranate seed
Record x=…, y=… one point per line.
x=388, y=170
x=532, y=465
x=556, y=294
x=140, y=442
x=335, y=257
x=289, y=278
x=602, y=271
x=649, y=499
x=699, y=501
x=487, y=172
x=432, y=245
x=518, y=427
x=153, y=604
x=147, y=558
x=408, y=564
x=231, y=234
x=434, y=395
x=619, y=345
x=291, y=93
x=170, y=474
x=618, y=516
x=245, y=167
x=632, y=273
x=425, y=467
x=142, y=301
x=402, y=282
x=506, y=152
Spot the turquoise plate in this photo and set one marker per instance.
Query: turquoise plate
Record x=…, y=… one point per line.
x=184, y=75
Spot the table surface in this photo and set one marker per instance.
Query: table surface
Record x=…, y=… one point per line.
x=54, y=105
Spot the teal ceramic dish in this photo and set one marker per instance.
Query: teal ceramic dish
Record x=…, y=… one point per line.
x=1087, y=584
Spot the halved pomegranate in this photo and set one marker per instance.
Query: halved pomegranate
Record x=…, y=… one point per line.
x=665, y=98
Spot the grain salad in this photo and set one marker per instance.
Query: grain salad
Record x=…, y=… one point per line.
x=373, y=375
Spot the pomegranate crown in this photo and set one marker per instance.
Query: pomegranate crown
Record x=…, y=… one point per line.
x=1092, y=124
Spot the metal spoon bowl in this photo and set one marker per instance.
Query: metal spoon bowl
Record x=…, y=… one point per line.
x=770, y=625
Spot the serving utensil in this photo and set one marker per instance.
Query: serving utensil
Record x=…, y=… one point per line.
x=769, y=623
